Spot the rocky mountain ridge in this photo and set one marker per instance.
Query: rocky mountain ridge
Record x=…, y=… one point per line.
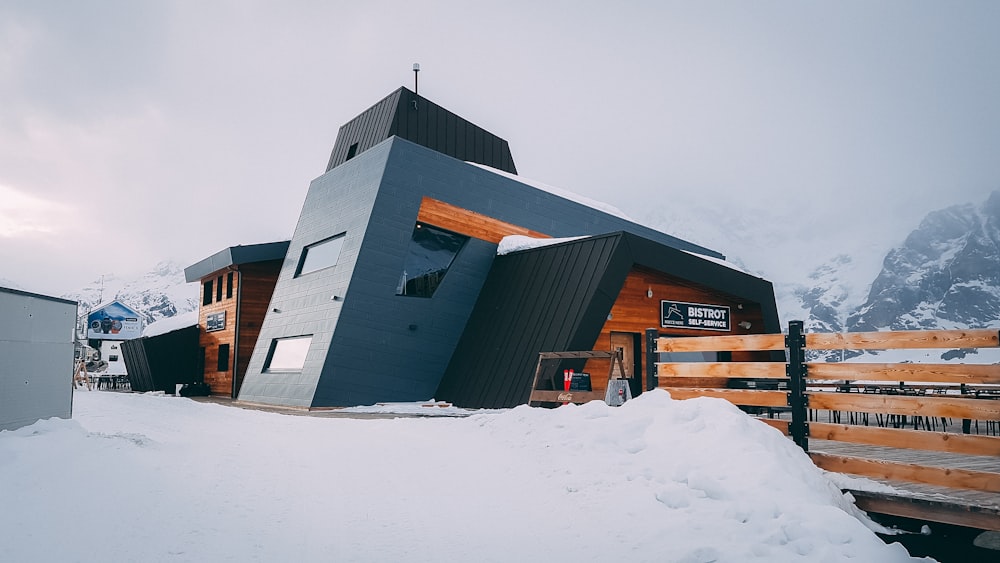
x=945, y=275
x=158, y=294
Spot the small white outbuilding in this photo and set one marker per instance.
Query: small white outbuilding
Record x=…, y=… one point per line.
x=36, y=357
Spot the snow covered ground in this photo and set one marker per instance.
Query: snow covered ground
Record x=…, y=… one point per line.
x=158, y=478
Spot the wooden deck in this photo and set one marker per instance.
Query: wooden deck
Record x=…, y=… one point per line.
x=964, y=507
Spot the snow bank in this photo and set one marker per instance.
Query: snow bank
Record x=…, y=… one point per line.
x=170, y=324
x=159, y=478
x=515, y=243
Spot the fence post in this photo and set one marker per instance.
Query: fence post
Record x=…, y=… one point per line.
x=796, y=370
x=651, y=358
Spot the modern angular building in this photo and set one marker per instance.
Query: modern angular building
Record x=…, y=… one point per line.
x=391, y=288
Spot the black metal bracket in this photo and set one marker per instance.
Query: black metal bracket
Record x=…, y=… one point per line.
x=796, y=370
x=652, y=335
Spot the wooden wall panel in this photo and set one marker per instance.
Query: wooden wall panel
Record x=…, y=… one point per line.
x=257, y=283
x=253, y=285
x=221, y=382
x=469, y=223
x=634, y=312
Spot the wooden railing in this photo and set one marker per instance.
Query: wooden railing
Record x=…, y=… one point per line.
x=898, y=392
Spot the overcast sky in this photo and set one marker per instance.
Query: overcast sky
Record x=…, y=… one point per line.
x=134, y=132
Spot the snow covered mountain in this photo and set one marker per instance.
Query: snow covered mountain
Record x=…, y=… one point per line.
x=158, y=294
x=945, y=274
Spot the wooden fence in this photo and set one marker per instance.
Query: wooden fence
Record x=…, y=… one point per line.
x=894, y=396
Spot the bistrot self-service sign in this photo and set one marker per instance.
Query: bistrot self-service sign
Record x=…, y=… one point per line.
x=699, y=316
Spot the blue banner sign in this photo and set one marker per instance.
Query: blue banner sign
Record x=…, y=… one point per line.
x=698, y=316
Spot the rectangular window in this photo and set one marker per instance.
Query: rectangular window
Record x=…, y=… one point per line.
x=287, y=354
x=323, y=254
x=218, y=289
x=207, y=296
x=229, y=285
x=113, y=358
x=223, y=357
x=352, y=151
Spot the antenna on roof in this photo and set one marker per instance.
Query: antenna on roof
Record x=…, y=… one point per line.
x=416, y=69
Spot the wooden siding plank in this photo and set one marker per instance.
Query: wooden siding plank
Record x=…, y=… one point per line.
x=936, y=373
x=910, y=439
x=469, y=223
x=945, y=477
x=754, y=370
x=736, y=396
x=922, y=405
x=566, y=396
x=932, y=511
x=898, y=340
x=743, y=343
x=781, y=425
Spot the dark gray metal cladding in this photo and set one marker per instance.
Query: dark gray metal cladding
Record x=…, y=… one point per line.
x=412, y=117
x=557, y=298
x=160, y=363
x=235, y=255
x=554, y=298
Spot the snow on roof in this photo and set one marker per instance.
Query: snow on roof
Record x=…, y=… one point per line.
x=720, y=262
x=565, y=194
x=171, y=324
x=515, y=243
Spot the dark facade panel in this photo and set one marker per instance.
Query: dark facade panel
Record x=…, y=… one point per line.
x=160, y=363
x=366, y=130
x=418, y=120
x=235, y=255
x=554, y=298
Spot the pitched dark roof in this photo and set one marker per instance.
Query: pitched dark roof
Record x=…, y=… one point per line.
x=418, y=120
x=235, y=255
x=557, y=298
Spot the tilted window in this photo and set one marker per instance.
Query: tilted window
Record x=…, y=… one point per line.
x=322, y=254
x=287, y=354
x=430, y=254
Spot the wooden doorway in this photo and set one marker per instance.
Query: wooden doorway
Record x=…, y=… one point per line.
x=631, y=346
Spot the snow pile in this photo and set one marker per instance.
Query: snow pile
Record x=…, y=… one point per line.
x=159, y=478
x=516, y=243
x=171, y=324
